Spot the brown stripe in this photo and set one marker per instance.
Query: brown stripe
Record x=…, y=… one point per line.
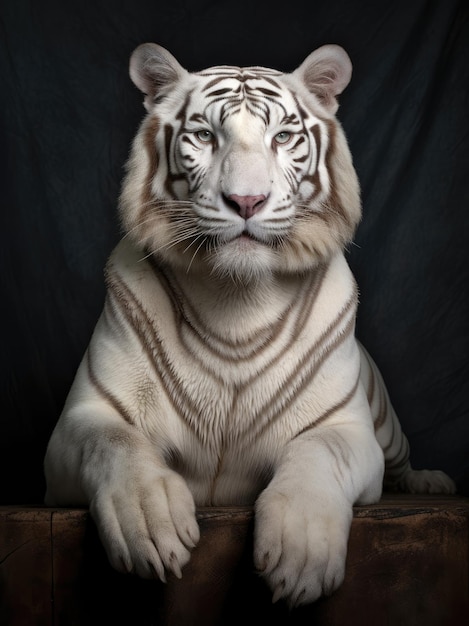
x=339, y=405
x=308, y=306
x=185, y=314
x=383, y=409
x=316, y=130
x=371, y=387
x=168, y=136
x=215, y=81
x=291, y=388
x=334, y=201
x=389, y=445
x=150, y=341
x=105, y=393
x=401, y=457
x=151, y=130
x=302, y=316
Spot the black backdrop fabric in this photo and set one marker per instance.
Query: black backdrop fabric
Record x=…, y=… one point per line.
x=69, y=112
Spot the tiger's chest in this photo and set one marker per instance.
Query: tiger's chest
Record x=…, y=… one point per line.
x=228, y=377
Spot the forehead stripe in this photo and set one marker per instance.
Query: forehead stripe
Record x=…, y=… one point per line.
x=181, y=114
x=290, y=119
x=197, y=117
x=216, y=81
x=268, y=92
x=220, y=92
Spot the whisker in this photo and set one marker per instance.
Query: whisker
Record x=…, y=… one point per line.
x=180, y=239
x=193, y=242
x=194, y=255
x=147, y=256
x=189, y=223
x=165, y=212
x=166, y=201
x=323, y=209
x=188, y=234
x=185, y=221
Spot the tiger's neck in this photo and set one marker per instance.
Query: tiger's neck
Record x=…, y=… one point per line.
x=232, y=309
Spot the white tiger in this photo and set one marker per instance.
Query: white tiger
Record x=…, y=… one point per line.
x=224, y=368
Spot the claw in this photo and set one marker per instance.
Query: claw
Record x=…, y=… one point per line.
x=278, y=593
x=125, y=568
x=174, y=566
x=297, y=600
x=194, y=539
x=263, y=566
x=157, y=575
x=190, y=543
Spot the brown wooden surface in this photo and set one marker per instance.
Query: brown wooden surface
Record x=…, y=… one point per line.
x=408, y=565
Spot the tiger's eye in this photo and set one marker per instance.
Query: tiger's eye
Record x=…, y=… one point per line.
x=205, y=136
x=283, y=137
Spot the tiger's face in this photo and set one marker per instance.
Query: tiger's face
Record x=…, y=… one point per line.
x=240, y=171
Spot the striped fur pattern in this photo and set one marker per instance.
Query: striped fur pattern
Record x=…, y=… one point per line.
x=224, y=369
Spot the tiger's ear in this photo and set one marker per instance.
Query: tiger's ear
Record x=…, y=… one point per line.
x=326, y=72
x=153, y=69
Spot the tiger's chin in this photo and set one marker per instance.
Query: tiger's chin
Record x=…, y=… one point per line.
x=244, y=260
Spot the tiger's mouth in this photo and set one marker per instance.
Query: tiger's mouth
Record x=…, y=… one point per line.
x=246, y=240
x=249, y=240
x=247, y=235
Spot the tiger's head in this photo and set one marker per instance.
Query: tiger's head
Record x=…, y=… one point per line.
x=242, y=171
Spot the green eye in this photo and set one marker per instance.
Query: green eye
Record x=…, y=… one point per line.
x=283, y=137
x=205, y=136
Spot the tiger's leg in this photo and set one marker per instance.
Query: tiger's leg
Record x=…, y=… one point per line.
x=144, y=511
x=399, y=474
x=303, y=517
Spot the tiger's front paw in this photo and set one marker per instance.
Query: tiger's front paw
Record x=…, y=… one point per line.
x=300, y=545
x=147, y=523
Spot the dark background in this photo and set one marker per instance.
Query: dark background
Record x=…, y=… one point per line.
x=69, y=112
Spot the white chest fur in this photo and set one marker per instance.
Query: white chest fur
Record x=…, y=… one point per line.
x=224, y=377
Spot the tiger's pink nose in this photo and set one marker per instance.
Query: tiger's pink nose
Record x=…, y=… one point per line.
x=246, y=205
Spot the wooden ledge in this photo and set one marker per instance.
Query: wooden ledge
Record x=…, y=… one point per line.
x=408, y=565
